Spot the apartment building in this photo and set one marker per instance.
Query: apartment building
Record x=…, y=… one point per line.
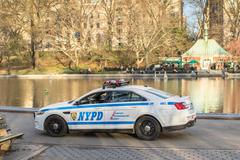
x=219, y=23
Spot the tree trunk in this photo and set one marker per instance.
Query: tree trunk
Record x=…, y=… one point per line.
x=32, y=35
x=8, y=65
x=146, y=60
x=33, y=53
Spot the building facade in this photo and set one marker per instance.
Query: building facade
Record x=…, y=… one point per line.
x=219, y=21
x=216, y=20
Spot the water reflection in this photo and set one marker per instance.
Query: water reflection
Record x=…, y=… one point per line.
x=208, y=94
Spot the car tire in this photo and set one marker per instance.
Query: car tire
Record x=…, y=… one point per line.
x=147, y=128
x=55, y=126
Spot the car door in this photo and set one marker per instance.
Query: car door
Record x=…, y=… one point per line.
x=88, y=112
x=123, y=109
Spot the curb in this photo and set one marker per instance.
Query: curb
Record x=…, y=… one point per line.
x=17, y=109
x=210, y=116
x=77, y=76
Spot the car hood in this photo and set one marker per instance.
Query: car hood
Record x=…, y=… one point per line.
x=58, y=105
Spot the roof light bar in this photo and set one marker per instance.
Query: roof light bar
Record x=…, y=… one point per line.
x=115, y=83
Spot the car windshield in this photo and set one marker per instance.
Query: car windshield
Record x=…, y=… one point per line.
x=70, y=101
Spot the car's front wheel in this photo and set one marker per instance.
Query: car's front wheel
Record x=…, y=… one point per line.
x=147, y=128
x=55, y=126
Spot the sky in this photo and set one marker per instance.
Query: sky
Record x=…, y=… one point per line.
x=188, y=9
x=188, y=13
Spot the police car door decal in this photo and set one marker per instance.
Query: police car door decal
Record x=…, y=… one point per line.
x=89, y=114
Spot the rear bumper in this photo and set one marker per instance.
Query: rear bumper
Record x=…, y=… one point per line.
x=174, y=128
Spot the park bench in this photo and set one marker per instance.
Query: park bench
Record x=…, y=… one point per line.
x=6, y=138
x=10, y=137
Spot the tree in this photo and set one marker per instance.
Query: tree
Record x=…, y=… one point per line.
x=35, y=13
x=149, y=28
x=200, y=13
x=70, y=37
x=232, y=10
x=66, y=28
x=28, y=16
x=11, y=40
x=109, y=7
x=234, y=47
x=11, y=43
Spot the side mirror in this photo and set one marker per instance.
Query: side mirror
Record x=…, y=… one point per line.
x=76, y=103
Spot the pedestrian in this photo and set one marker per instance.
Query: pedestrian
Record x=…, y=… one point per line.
x=127, y=70
x=223, y=72
x=89, y=70
x=121, y=67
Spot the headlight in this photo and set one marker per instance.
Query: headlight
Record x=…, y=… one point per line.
x=39, y=113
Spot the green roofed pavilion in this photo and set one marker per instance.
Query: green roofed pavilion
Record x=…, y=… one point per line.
x=207, y=52
x=206, y=48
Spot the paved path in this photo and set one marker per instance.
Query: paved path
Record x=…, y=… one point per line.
x=214, y=138
x=66, y=152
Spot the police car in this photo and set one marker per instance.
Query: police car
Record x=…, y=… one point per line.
x=118, y=106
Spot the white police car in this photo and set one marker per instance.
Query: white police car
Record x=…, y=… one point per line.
x=117, y=106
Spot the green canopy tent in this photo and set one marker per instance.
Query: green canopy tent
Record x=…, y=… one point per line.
x=193, y=62
x=173, y=60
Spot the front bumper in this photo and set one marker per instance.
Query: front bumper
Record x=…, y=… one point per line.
x=38, y=122
x=179, y=127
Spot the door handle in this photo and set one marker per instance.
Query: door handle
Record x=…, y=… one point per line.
x=66, y=112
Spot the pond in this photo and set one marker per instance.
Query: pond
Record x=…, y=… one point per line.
x=209, y=95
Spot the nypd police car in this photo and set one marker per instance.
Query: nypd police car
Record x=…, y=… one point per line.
x=118, y=106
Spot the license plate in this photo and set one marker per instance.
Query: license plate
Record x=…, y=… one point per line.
x=191, y=111
x=191, y=107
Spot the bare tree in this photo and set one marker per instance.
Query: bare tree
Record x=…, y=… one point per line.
x=200, y=12
x=148, y=28
x=29, y=17
x=234, y=47
x=70, y=36
x=11, y=40
x=109, y=7
x=232, y=10
x=65, y=27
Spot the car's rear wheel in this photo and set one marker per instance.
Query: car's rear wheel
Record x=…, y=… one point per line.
x=56, y=126
x=147, y=128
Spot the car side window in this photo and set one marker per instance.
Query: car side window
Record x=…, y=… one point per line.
x=100, y=97
x=136, y=97
x=121, y=96
x=126, y=96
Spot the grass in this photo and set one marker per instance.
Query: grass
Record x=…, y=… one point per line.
x=28, y=71
x=52, y=70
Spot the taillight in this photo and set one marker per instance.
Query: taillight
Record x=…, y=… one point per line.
x=180, y=106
